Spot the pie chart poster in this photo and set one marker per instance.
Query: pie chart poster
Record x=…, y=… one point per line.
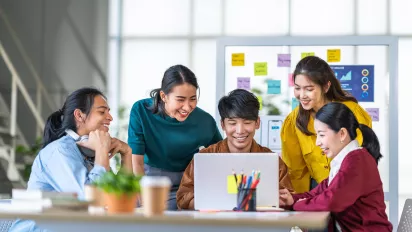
x=358, y=80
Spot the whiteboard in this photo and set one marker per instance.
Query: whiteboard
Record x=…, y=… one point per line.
x=380, y=53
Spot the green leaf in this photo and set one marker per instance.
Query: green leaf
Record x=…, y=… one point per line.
x=121, y=183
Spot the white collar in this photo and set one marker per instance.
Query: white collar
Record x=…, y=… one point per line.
x=72, y=134
x=75, y=136
x=337, y=161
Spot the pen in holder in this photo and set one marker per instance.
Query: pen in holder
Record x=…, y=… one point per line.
x=246, y=199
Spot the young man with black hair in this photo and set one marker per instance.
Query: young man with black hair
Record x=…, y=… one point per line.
x=239, y=112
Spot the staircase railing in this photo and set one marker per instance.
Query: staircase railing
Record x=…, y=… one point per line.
x=42, y=93
x=40, y=87
x=17, y=84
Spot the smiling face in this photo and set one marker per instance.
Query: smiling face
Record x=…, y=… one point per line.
x=329, y=141
x=99, y=117
x=180, y=101
x=309, y=94
x=240, y=133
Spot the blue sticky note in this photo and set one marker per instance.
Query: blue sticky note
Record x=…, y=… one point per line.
x=295, y=103
x=273, y=86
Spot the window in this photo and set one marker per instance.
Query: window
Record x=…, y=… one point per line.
x=256, y=17
x=322, y=17
x=144, y=63
x=155, y=17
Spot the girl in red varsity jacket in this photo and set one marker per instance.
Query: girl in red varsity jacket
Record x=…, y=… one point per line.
x=353, y=192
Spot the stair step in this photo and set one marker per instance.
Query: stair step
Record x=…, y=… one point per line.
x=5, y=184
x=4, y=130
x=6, y=136
x=17, y=184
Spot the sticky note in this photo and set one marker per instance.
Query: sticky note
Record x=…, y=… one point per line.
x=290, y=80
x=333, y=55
x=261, y=69
x=283, y=60
x=374, y=113
x=243, y=83
x=260, y=102
x=273, y=86
x=238, y=59
x=231, y=184
x=305, y=54
x=295, y=103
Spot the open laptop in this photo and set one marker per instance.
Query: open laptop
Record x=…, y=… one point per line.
x=211, y=171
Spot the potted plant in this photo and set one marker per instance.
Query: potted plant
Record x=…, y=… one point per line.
x=25, y=156
x=120, y=191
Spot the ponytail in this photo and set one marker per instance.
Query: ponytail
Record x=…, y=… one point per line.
x=158, y=105
x=370, y=142
x=53, y=128
x=57, y=123
x=337, y=116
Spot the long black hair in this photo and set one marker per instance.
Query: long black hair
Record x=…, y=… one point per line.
x=62, y=119
x=320, y=73
x=173, y=76
x=337, y=116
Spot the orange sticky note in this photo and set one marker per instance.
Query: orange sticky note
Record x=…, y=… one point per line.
x=238, y=59
x=333, y=55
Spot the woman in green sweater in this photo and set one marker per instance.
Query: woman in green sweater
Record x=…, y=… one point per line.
x=166, y=130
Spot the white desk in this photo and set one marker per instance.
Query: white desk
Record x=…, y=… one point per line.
x=183, y=221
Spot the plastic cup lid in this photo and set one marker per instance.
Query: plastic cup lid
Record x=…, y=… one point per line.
x=158, y=181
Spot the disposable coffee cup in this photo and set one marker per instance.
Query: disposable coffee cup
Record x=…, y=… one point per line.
x=93, y=195
x=155, y=193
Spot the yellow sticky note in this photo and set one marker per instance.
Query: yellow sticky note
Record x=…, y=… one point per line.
x=305, y=54
x=260, y=102
x=261, y=69
x=231, y=184
x=333, y=55
x=238, y=59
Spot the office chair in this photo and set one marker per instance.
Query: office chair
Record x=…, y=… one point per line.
x=5, y=225
x=405, y=224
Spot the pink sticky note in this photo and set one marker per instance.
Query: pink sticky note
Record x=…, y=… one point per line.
x=374, y=113
x=243, y=83
x=290, y=78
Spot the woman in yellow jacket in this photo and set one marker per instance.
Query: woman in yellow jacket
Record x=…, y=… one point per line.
x=315, y=85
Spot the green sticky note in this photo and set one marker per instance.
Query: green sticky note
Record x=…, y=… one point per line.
x=305, y=54
x=231, y=184
x=261, y=69
x=260, y=102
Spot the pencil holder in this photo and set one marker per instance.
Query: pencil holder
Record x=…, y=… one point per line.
x=246, y=200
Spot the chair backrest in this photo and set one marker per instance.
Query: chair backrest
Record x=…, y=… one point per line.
x=405, y=224
x=5, y=225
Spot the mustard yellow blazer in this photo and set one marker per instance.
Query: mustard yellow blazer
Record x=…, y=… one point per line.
x=300, y=153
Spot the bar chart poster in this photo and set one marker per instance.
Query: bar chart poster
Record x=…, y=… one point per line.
x=358, y=80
